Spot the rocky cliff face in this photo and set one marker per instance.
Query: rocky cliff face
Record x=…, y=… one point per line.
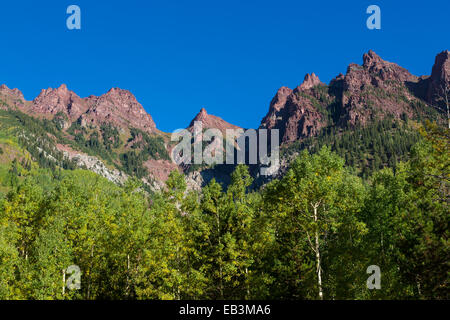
x=370, y=91
x=276, y=108
x=298, y=113
x=375, y=89
x=439, y=79
x=118, y=107
x=385, y=70
x=211, y=121
x=52, y=101
x=310, y=81
x=12, y=97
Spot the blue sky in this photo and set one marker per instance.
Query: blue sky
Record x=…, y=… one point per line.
x=227, y=56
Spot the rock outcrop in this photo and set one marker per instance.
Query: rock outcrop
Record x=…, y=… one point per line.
x=297, y=113
x=61, y=100
x=310, y=81
x=385, y=70
x=439, y=81
x=372, y=90
x=210, y=121
x=118, y=107
x=12, y=97
x=375, y=89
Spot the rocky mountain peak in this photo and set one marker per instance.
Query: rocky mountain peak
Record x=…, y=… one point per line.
x=441, y=67
x=202, y=115
x=293, y=113
x=118, y=107
x=376, y=87
x=117, y=98
x=384, y=69
x=310, y=81
x=14, y=93
x=211, y=121
x=11, y=97
x=62, y=88
x=61, y=99
x=371, y=59
x=440, y=77
x=368, y=91
x=275, y=108
x=121, y=108
x=120, y=94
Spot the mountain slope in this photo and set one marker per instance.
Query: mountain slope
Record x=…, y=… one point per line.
x=367, y=115
x=367, y=92
x=211, y=121
x=111, y=135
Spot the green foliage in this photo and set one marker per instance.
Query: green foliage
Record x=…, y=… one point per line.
x=110, y=136
x=150, y=146
x=365, y=149
x=37, y=136
x=132, y=164
x=314, y=208
x=143, y=147
x=319, y=221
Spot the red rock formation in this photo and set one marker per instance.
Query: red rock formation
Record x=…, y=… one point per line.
x=211, y=121
x=440, y=75
x=310, y=81
x=120, y=108
x=375, y=89
x=276, y=105
x=51, y=101
x=384, y=69
x=16, y=93
x=302, y=118
x=12, y=97
x=293, y=111
x=160, y=169
x=372, y=90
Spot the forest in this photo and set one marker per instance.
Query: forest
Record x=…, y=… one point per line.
x=311, y=234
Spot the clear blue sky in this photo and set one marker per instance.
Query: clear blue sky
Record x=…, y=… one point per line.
x=227, y=56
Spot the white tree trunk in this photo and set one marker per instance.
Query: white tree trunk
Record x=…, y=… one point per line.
x=64, y=282
x=317, y=250
x=445, y=98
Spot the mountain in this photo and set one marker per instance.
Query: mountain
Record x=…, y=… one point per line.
x=210, y=121
x=297, y=113
x=440, y=75
x=366, y=115
x=53, y=101
x=10, y=97
x=110, y=134
x=118, y=107
x=375, y=89
x=367, y=92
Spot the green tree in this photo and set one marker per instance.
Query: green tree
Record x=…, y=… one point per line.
x=310, y=204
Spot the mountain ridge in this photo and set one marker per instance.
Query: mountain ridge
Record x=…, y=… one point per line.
x=376, y=88
x=116, y=129
x=375, y=71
